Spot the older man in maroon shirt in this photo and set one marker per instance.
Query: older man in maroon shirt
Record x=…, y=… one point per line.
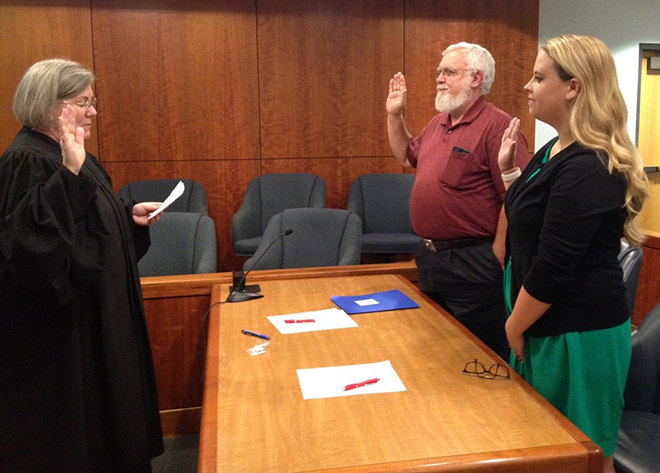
x=456, y=202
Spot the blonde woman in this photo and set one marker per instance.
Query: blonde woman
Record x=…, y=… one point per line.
x=569, y=325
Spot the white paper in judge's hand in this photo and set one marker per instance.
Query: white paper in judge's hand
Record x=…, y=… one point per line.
x=326, y=319
x=320, y=383
x=175, y=194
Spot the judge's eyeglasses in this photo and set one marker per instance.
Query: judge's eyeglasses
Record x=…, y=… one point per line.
x=84, y=104
x=477, y=368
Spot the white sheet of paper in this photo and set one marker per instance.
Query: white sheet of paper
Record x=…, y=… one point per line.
x=320, y=383
x=175, y=194
x=326, y=319
x=365, y=302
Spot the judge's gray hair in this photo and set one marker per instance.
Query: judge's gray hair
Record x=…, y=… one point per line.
x=478, y=59
x=43, y=86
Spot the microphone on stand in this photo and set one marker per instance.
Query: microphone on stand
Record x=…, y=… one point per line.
x=239, y=296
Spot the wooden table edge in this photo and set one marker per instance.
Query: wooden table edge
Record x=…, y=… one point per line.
x=201, y=284
x=517, y=461
x=208, y=436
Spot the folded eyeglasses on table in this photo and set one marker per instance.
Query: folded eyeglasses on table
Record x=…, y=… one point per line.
x=477, y=368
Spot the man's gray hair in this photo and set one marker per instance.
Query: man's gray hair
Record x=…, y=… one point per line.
x=44, y=85
x=478, y=59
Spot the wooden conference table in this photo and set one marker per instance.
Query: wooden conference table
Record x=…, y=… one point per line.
x=254, y=417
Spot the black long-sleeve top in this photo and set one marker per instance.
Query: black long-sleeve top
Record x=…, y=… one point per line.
x=565, y=227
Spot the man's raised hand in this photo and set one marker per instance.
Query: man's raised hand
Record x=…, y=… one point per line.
x=396, y=99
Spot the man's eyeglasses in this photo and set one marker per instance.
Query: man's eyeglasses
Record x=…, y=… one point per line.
x=90, y=102
x=477, y=368
x=448, y=71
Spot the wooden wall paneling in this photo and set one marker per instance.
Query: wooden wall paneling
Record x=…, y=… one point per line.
x=225, y=182
x=648, y=286
x=177, y=82
x=649, y=143
x=181, y=422
x=324, y=69
x=649, y=115
x=649, y=217
x=176, y=329
x=511, y=39
x=337, y=172
x=31, y=31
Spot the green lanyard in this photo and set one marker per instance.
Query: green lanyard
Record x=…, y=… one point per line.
x=543, y=161
x=508, y=269
x=507, y=288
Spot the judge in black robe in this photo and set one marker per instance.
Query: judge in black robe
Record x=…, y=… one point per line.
x=77, y=382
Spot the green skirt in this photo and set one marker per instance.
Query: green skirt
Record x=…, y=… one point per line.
x=582, y=374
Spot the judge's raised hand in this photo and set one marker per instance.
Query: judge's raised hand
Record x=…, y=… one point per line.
x=72, y=140
x=507, y=155
x=142, y=211
x=396, y=99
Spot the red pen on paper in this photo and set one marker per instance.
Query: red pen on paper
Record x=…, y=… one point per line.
x=348, y=387
x=299, y=321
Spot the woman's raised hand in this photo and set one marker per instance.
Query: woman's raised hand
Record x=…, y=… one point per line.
x=507, y=155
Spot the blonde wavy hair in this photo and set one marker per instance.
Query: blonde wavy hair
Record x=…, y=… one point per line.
x=598, y=116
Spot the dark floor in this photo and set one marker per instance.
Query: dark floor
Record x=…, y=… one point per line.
x=180, y=456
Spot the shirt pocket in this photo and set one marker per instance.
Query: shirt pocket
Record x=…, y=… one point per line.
x=456, y=168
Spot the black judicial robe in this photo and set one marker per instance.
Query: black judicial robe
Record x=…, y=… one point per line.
x=77, y=382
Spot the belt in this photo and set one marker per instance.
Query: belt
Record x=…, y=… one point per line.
x=441, y=245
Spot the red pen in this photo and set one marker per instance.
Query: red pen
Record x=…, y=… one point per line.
x=348, y=387
x=300, y=321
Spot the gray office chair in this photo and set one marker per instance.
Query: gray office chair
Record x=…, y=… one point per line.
x=630, y=259
x=157, y=190
x=638, y=445
x=181, y=243
x=382, y=201
x=268, y=195
x=321, y=237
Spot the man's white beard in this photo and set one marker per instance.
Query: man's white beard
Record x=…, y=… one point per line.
x=447, y=104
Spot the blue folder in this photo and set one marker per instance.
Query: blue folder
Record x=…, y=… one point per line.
x=376, y=302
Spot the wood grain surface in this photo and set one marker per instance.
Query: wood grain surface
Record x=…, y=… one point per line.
x=254, y=417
